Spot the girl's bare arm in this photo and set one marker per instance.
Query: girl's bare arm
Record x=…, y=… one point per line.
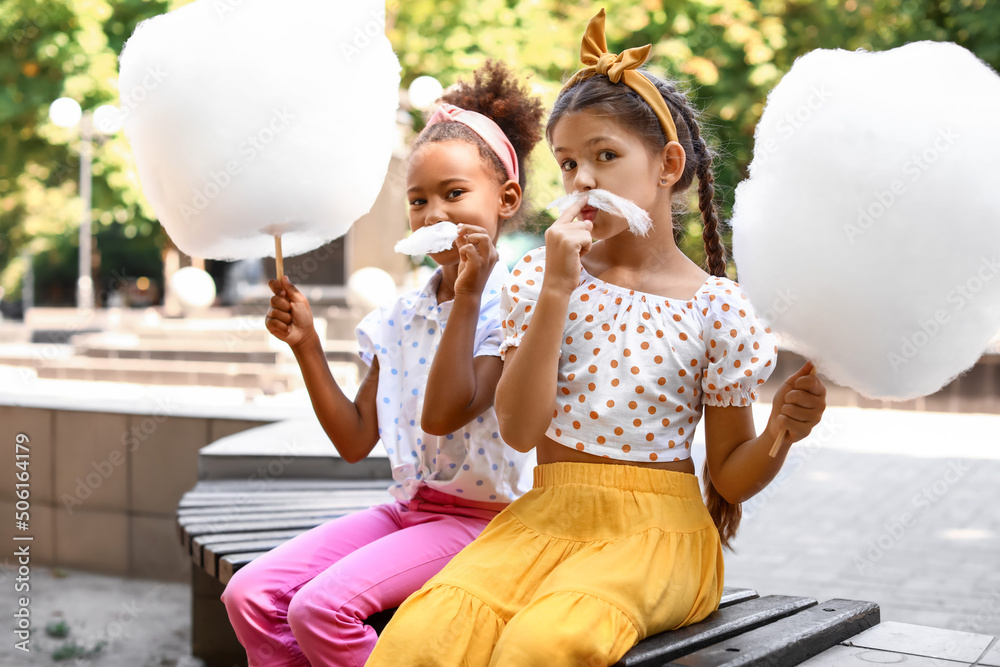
x=351, y=425
x=739, y=460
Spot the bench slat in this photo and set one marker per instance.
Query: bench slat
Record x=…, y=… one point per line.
x=199, y=543
x=245, y=526
x=728, y=621
x=281, y=506
x=209, y=501
x=251, y=486
x=215, y=552
x=223, y=520
x=790, y=640
x=228, y=565
x=732, y=595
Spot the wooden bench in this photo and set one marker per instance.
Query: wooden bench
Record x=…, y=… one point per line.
x=225, y=524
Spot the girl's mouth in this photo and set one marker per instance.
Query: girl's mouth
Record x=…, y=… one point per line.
x=588, y=213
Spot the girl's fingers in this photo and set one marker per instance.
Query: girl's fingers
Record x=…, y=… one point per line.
x=570, y=213
x=468, y=230
x=291, y=289
x=811, y=384
x=276, y=287
x=805, y=399
x=276, y=327
x=281, y=316
x=279, y=303
x=798, y=413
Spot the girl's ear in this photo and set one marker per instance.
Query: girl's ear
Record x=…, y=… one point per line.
x=672, y=160
x=510, y=199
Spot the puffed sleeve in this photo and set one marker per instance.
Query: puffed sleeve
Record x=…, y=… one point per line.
x=741, y=350
x=519, y=296
x=369, y=334
x=489, y=330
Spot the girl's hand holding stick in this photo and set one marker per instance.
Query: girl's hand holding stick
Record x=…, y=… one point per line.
x=290, y=318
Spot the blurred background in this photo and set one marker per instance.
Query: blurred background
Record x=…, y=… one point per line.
x=729, y=53
x=146, y=367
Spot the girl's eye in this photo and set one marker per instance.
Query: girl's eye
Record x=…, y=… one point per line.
x=568, y=165
x=417, y=202
x=455, y=193
x=606, y=156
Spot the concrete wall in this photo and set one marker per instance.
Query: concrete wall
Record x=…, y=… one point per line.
x=105, y=485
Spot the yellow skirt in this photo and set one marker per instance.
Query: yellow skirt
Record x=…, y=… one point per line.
x=593, y=559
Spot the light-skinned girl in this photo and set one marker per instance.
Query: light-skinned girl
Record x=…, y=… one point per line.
x=428, y=395
x=616, y=347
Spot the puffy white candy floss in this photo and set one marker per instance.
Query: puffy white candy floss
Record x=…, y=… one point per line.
x=260, y=118
x=638, y=220
x=429, y=238
x=868, y=233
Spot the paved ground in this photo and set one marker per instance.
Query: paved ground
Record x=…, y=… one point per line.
x=899, y=508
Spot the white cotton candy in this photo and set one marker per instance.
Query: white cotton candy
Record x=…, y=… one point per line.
x=430, y=238
x=868, y=233
x=258, y=118
x=638, y=220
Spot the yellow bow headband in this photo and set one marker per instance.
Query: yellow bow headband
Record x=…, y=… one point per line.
x=594, y=54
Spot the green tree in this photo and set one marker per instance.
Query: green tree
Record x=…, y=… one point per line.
x=728, y=53
x=53, y=49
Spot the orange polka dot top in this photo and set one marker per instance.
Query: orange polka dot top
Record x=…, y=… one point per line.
x=635, y=368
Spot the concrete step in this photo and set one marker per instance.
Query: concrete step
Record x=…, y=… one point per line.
x=269, y=378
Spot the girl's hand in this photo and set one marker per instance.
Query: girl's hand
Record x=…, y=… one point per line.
x=477, y=256
x=566, y=241
x=798, y=404
x=290, y=318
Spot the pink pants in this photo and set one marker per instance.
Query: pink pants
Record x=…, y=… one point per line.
x=305, y=602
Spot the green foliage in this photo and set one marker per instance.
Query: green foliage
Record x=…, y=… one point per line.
x=728, y=53
x=54, y=49
x=57, y=629
x=71, y=650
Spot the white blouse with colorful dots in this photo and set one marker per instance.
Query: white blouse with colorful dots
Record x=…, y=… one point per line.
x=473, y=462
x=635, y=368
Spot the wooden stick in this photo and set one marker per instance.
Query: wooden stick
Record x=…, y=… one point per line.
x=781, y=438
x=277, y=256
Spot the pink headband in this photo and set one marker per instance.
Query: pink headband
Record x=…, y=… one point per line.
x=485, y=128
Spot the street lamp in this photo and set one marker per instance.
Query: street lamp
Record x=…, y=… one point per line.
x=424, y=91
x=105, y=120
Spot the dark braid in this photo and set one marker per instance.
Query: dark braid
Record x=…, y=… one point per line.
x=618, y=101
x=714, y=248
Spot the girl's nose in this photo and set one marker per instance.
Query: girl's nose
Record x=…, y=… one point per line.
x=583, y=180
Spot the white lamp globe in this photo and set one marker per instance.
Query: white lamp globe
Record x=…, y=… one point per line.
x=107, y=119
x=65, y=112
x=424, y=91
x=371, y=288
x=194, y=288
